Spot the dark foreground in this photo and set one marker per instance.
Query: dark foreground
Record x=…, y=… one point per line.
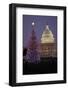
x=45, y=66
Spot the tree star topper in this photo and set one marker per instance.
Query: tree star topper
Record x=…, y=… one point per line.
x=33, y=23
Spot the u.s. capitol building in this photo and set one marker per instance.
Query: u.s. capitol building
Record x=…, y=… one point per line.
x=48, y=45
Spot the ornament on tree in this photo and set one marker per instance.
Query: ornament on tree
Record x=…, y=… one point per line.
x=33, y=55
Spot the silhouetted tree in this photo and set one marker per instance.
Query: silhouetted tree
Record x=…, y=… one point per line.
x=24, y=51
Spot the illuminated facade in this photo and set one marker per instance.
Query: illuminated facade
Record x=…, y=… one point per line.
x=48, y=44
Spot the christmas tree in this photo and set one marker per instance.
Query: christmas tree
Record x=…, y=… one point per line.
x=33, y=47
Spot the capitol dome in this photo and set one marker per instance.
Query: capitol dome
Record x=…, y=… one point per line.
x=47, y=35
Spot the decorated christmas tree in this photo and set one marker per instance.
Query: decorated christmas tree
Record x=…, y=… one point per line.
x=33, y=48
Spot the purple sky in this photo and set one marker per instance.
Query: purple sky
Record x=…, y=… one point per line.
x=40, y=22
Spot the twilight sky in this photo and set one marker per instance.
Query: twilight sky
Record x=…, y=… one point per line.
x=40, y=22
